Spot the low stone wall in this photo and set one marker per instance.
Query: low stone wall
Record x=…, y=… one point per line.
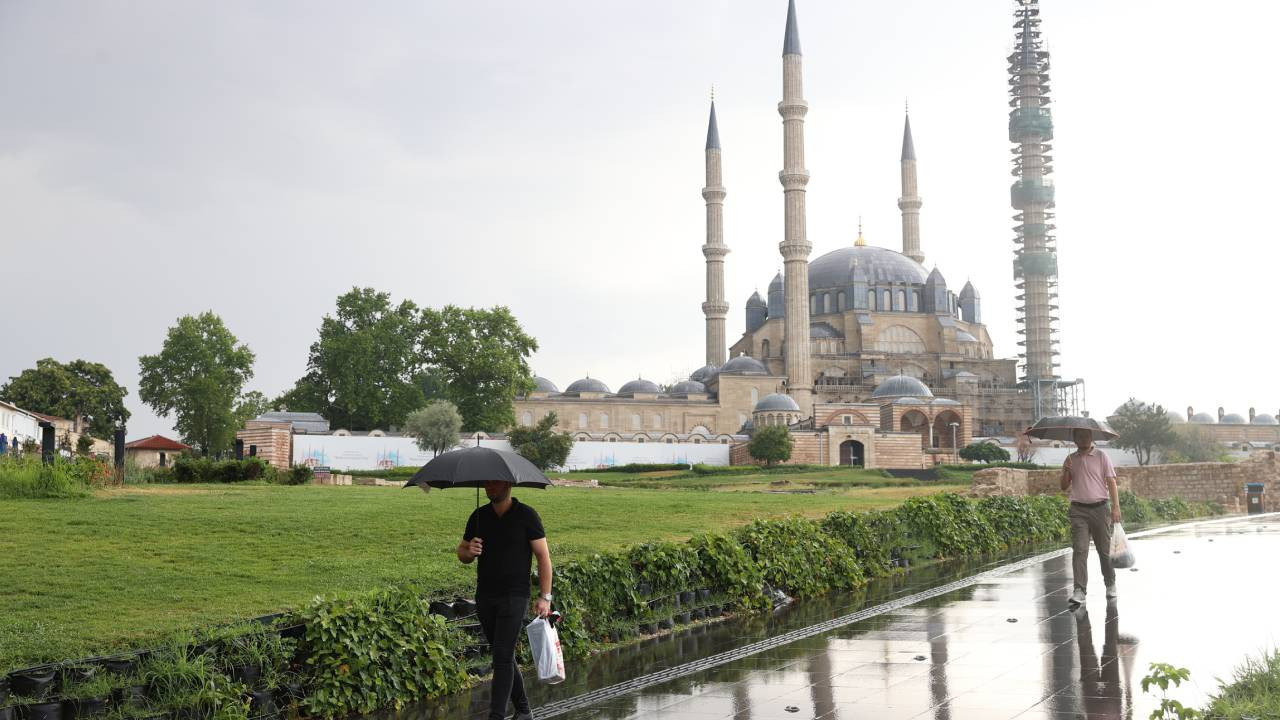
x=1222, y=483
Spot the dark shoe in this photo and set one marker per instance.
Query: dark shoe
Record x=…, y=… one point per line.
x=522, y=715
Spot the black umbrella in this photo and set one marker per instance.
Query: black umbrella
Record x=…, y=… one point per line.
x=1061, y=428
x=475, y=466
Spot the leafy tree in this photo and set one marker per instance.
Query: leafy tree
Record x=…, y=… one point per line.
x=78, y=389
x=1141, y=428
x=1193, y=444
x=541, y=444
x=84, y=444
x=1025, y=447
x=435, y=427
x=772, y=444
x=481, y=357
x=198, y=376
x=251, y=405
x=984, y=452
x=364, y=371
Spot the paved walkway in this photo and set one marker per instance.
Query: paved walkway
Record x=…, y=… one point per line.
x=1007, y=646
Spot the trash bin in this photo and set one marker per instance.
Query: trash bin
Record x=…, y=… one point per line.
x=1253, y=497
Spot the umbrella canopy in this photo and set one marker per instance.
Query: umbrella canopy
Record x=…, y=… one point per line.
x=475, y=466
x=1060, y=428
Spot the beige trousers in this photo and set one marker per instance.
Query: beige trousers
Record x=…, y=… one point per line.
x=1091, y=523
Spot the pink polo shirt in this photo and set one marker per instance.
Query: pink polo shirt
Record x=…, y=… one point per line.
x=1089, y=473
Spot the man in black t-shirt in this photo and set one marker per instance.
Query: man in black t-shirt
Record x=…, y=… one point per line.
x=506, y=535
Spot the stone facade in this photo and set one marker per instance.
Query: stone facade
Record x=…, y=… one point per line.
x=274, y=441
x=1222, y=483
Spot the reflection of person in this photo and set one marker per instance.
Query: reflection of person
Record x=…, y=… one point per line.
x=1091, y=481
x=1100, y=678
x=506, y=535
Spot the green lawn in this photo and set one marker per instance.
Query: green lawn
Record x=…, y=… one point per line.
x=120, y=569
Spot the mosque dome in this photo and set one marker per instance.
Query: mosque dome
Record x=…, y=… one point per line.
x=777, y=402
x=1264, y=419
x=639, y=385
x=744, y=365
x=688, y=387
x=587, y=384
x=704, y=373
x=962, y=336
x=1203, y=418
x=1175, y=417
x=1233, y=419
x=541, y=384
x=901, y=386
x=875, y=265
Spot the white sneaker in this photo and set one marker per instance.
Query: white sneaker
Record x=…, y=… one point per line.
x=1111, y=592
x=1077, y=597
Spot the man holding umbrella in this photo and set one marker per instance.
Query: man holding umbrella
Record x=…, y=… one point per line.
x=506, y=535
x=1090, y=480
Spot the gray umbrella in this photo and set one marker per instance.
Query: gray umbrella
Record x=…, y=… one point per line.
x=1061, y=427
x=475, y=466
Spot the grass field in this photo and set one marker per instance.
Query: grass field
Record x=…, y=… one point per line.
x=122, y=568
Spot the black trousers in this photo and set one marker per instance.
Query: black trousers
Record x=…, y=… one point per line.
x=502, y=619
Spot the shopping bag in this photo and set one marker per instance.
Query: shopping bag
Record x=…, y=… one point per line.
x=1121, y=554
x=544, y=644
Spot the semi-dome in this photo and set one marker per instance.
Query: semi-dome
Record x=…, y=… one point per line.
x=1232, y=419
x=823, y=330
x=744, y=365
x=688, y=387
x=777, y=402
x=587, y=384
x=639, y=385
x=1175, y=417
x=901, y=386
x=962, y=336
x=1264, y=419
x=704, y=373
x=875, y=265
x=541, y=384
x=1203, y=417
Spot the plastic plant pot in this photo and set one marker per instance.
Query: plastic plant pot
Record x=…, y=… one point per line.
x=699, y=614
x=119, y=666
x=84, y=707
x=49, y=710
x=704, y=594
x=132, y=695
x=262, y=704
x=463, y=608
x=666, y=623
x=246, y=674
x=78, y=674
x=686, y=597
x=35, y=683
x=713, y=611
x=686, y=618
x=443, y=609
x=650, y=628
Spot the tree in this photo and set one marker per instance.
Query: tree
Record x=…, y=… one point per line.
x=364, y=371
x=482, y=358
x=772, y=444
x=198, y=376
x=78, y=389
x=984, y=452
x=1193, y=444
x=540, y=444
x=435, y=427
x=1141, y=428
x=251, y=405
x=1025, y=447
x=84, y=444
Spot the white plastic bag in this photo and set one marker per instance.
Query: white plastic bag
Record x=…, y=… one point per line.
x=1121, y=555
x=544, y=643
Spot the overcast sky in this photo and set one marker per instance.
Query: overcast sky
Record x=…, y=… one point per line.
x=258, y=159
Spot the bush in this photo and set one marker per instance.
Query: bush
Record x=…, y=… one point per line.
x=984, y=452
x=28, y=477
x=771, y=444
x=297, y=475
x=798, y=556
x=635, y=468
x=188, y=469
x=1254, y=691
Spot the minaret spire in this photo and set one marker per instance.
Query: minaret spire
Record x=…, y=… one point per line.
x=795, y=247
x=910, y=201
x=715, y=308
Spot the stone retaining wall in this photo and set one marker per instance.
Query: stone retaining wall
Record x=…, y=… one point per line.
x=1222, y=483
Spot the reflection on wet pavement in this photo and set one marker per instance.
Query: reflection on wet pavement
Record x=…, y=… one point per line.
x=1005, y=647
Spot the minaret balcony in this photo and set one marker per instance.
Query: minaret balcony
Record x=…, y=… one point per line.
x=1031, y=192
x=1044, y=264
x=1030, y=125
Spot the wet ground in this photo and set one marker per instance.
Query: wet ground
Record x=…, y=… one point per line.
x=952, y=642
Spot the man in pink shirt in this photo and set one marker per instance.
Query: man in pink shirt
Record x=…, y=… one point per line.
x=1090, y=480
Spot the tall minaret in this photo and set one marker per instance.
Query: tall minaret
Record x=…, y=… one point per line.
x=1035, y=265
x=715, y=308
x=795, y=245
x=910, y=201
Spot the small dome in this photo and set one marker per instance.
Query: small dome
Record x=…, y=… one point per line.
x=962, y=336
x=1175, y=417
x=586, y=385
x=744, y=365
x=1264, y=419
x=1232, y=419
x=541, y=384
x=755, y=300
x=901, y=386
x=639, y=385
x=704, y=373
x=687, y=387
x=1204, y=418
x=777, y=401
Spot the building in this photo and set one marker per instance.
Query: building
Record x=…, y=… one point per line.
x=155, y=451
x=843, y=335
x=18, y=426
x=1257, y=431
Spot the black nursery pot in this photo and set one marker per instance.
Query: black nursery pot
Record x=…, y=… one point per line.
x=51, y=710
x=33, y=683
x=649, y=628
x=666, y=623
x=686, y=618
x=134, y=694
x=704, y=594
x=686, y=597
x=442, y=609
x=84, y=708
x=262, y=704
x=119, y=666
x=644, y=589
x=699, y=614
x=713, y=611
x=463, y=608
x=246, y=674
x=78, y=674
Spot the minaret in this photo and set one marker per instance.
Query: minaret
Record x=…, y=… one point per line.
x=795, y=245
x=1035, y=265
x=715, y=308
x=910, y=201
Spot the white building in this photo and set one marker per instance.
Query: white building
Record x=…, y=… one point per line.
x=18, y=423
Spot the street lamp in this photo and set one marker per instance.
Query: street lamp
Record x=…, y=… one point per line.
x=954, y=450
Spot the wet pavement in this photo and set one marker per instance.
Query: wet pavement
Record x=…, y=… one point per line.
x=1001, y=644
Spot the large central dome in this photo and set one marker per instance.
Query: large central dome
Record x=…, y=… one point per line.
x=878, y=265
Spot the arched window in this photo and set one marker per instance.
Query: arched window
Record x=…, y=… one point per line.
x=657, y=421
x=764, y=349
x=871, y=299
x=636, y=422
x=915, y=301
x=604, y=420
x=900, y=301
x=582, y=421
x=813, y=304
x=840, y=302
x=526, y=419
x=885, y=303
x=826, y=302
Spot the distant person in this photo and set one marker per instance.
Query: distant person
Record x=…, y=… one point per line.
x=4, y=443
x=1090, y=480
x=506, y=535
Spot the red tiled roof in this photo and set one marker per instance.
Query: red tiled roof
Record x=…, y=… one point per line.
x=48, y=418
x=156, y=442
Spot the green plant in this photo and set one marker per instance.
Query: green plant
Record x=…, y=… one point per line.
x=436, y=427
x=180, y=681
x=542, y=444
x=100, y=685
x=669, y=567
x=298, y=475
x=1254, y=690
x=984, y=452
x=865, y=534
x=729, y=571
x=26, y=477
x=797, y=555
x=771, y=444
x=1163, y=674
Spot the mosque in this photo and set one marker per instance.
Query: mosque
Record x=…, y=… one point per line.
x=868, y=356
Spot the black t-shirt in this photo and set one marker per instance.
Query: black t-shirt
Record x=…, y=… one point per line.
x=504, y=564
